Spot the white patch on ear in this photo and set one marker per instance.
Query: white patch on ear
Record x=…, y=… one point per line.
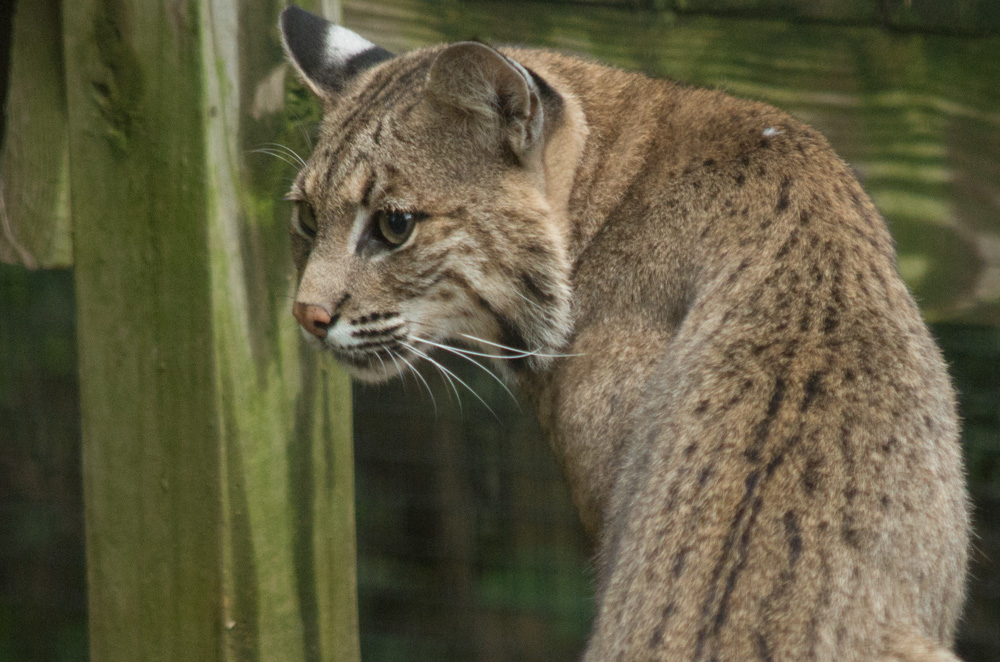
x=770, y=132
x=343, y=44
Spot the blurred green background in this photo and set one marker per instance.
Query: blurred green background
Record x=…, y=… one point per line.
x=468, y=546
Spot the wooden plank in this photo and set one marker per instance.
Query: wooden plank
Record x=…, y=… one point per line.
x=260, y=363
x=149, y=417
x=34, y=164
x=217, y=455
x=958, y=17
x=860, y=11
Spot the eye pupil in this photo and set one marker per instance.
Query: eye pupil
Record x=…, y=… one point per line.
x=394, y=227
x=397, y=222
x=305, y=220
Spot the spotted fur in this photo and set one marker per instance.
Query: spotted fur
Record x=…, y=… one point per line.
x=702, y=303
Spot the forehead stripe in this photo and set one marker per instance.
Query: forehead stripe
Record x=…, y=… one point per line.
x=368, y=96
x=375, y=102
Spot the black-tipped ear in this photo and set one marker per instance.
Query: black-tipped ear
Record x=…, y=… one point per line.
x=497, y=93
x=325, y=55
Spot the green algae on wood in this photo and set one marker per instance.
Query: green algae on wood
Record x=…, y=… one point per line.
x=34, y=164
x=150, y=459
x=217, y=455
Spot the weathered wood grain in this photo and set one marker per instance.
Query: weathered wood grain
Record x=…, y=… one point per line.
x=34, y=164
x=217, y=454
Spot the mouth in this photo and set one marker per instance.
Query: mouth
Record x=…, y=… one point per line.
x=374, y=362
x=372, y=349
x=375, y=349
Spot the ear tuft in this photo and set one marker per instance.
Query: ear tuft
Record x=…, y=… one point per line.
x=495, y=92
x=326, y=56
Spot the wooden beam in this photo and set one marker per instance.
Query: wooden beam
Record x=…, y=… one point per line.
x=217, y=454
x=34, y=163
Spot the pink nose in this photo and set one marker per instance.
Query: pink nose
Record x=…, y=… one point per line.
x=313, y=318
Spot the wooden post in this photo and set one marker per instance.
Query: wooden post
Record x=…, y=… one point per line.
x=34, y=165
x=217, y=454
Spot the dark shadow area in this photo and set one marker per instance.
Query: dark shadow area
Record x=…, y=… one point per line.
x=43, y=598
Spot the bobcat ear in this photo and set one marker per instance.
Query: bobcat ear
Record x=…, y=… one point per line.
x=497, y=94
x=325, y=55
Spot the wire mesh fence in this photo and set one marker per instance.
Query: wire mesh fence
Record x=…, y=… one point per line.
x=469, y=547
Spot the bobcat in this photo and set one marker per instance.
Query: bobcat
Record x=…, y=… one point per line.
x=702, y=305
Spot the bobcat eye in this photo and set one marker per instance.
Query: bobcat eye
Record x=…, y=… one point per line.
x=393, y=226
x=304, y=221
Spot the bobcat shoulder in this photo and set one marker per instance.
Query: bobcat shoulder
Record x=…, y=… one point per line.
x=703, y=305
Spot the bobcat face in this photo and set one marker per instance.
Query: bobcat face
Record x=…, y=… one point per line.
x=421, y=218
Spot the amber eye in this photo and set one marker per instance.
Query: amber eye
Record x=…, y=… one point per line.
x=394, y=226
x=304, y=220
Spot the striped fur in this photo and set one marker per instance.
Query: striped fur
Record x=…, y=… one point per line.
x=754, y=421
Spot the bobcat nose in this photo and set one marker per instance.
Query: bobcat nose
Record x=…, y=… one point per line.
x=314, y=319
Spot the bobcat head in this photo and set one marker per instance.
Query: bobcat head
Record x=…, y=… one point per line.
x=425, y=215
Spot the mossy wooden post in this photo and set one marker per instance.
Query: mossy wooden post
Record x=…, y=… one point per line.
x=217, y=453
x=34, y=186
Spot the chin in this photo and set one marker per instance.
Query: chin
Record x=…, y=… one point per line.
x=370, y=368
x=369, y=376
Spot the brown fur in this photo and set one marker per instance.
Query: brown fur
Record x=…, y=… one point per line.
x=757, y=428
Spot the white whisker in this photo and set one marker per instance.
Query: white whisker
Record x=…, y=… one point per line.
x=402, y=373
x=521, y=353
x=305, y=134
x=470, y=389
x=384, y=370
x=277, y=155
x=300, y=123
x=468, y=352
x=533, y=303
x=464, y=354
x=270, y=151
x=286, y=150
x=426, y=385
x=441, y=371
x=392, y=355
